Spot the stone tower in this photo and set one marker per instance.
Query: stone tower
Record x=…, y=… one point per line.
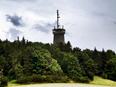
x=58, y=32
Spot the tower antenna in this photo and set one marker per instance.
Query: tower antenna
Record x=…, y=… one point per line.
x=58, y=19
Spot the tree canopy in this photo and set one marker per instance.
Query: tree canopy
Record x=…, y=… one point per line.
x=28, y=62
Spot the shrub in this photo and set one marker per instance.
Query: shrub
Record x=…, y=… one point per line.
x=3, y=82
x=42, y=79
x=23, y=80
x=84, y=79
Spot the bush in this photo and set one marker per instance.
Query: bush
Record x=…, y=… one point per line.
x=84, y=80
x=42, y=79
x=3, y=82
x=24, y=80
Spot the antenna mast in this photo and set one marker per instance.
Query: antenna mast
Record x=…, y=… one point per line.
x=58, y=19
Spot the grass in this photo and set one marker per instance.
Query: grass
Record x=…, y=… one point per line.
x=14, y=84
x=100, y=81
x=97, y=81
x=10, y=84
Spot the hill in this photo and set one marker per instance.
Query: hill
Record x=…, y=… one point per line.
x=34, y=62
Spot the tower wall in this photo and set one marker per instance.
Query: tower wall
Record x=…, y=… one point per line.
x=58, y=36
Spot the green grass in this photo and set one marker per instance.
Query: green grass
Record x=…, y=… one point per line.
x=97, y=81
x=10, y=84
x=13, y=84
x=100, y=81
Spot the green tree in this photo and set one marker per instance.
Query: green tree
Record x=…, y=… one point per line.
x=72, y=68
x=111, y=69
x=97, y=60
x=87, y=64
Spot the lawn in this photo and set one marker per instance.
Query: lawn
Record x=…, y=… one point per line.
x=98, y=82
x=101, y=81
x=59, y=85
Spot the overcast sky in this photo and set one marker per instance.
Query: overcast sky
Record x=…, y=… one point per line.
x=88, y=23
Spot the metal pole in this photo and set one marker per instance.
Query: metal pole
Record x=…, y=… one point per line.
x=58, y=19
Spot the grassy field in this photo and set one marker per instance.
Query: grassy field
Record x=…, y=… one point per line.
x=59, y=85
x=98, y=82
x=101, y=81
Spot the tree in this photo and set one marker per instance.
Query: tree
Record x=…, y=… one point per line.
x=68, y=47
x=87, y=64
x=97, y=60
x=70, y=65
x=111, y=69
x=76, y=50
x=44, y=60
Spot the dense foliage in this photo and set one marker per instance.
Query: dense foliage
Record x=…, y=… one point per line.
x=3, y=79
x=3, y=82
x=28, y=62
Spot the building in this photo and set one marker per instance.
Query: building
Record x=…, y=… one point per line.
x=58, y=32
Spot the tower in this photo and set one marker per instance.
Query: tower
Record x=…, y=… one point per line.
x=58, y=32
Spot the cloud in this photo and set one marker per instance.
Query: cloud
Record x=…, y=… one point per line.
x=90, y=23
x=21, y=0
x=15, y=20
x=45, y=27
x=114, y=22
x=13, y=33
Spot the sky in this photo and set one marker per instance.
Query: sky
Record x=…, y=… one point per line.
x=88, y=23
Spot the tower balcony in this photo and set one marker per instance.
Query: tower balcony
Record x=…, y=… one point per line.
x=59, y=31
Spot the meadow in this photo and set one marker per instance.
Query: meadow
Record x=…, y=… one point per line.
x=98, y=82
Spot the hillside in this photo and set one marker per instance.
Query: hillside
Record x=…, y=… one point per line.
x=34, y=62
x=100, y=81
